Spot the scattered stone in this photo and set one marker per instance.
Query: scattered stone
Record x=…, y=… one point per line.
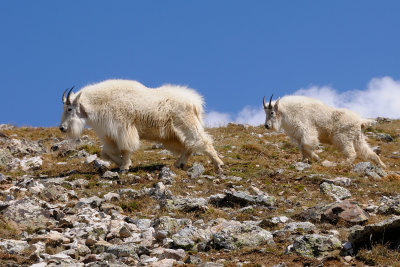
x=233, y=234
x=341, y=181
x=27, y=213
x=367, y=169
x=385, y=137
x=242, y=198
x=89, y=159
x=196, y=170
x=315, y=246
x=33, y=163
x=337, y=192
x=110, y=175
x=384, y=232
x=345, y=211
x=301, y=166
x=185, y=204
x=328, y=164
x=389, y=205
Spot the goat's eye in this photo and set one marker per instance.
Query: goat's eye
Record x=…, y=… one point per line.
x=272, y=113
x=69, y=109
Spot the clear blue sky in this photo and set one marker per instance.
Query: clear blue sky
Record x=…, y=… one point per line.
x=232, y=52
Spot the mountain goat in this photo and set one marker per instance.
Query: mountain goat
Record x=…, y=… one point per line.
x=308, y=121
x=122, y=111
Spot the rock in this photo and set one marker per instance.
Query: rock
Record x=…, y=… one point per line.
x=170, y=225
x=22, y=147
x=124, y=250
x=111, y=196
x=110, y=175
x=94, y=202
x=345, y=211
x=367, y=169
x=301, y=166
x=242, y=198
x=385, y=137
x=165, y=253
x=27, y=213
x=389, y=205
x=33, y=163
x=166, y=175
x=163, y=263
x=14, y=246
x=337, y=192
x=5, y=158
x=89, y=159
x=233, y=235
x=64, y=148
x=303, y=227
x=315, y=246
x=327, y=163
x=54, y=192
x=384, y=232
x=341, y=181
x=196, y=170
x=79, y=183
x=52, y=239
x=101, y=164
x=187, y=237
x=159, y=191
x=185, y=204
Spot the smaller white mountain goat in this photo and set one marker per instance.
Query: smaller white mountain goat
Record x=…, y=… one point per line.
x=121, y=112
x=308, y=121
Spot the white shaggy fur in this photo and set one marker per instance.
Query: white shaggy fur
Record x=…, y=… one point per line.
x=121, y=112
x=308, y=121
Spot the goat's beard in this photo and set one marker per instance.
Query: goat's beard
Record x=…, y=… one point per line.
x=76, y=127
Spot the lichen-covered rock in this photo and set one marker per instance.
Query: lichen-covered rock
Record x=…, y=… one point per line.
x=196, y=170
x=27, y=214
x=367, y=169
x=185, y=204
x=13, y=246
x=233, y=234
x=124, y=250
x=187, y=237
x=315, y=246
x=32, y=163
x=22, y=147
x=389, y=205
x=301, y=166
x=337, y=192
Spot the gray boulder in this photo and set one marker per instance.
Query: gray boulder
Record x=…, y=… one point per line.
x=315, y=246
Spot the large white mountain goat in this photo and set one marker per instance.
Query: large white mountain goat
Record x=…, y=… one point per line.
x=122, y=111
x=308, y=121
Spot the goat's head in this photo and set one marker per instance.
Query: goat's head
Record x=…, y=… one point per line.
x=273, y=118
x=73, y=118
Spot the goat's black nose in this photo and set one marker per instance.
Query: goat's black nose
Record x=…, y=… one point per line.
x=266, y=126
x=62, y=129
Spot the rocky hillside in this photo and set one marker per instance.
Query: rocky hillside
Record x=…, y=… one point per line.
x=61, y=205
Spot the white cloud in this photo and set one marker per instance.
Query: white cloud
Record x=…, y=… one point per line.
x=217, y=119
x=381, y=98
x=251, y=115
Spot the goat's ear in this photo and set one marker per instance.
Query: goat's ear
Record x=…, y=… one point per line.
x=82, y=111
x=76, y=100
x=277, y=104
